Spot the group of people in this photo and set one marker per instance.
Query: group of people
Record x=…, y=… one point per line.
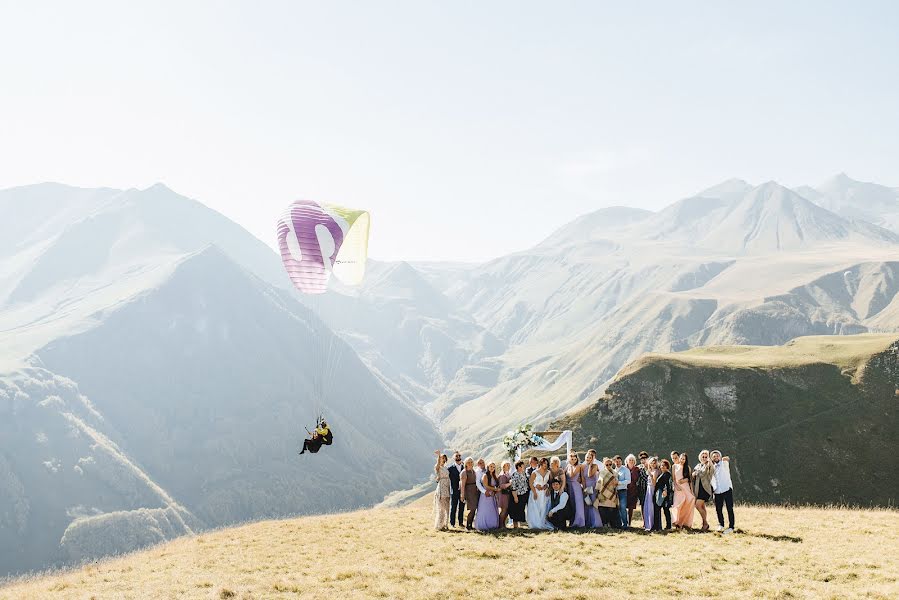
x=543, y=495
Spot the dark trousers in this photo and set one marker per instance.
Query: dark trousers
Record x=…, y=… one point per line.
x=312, y=445
x=609, y=516
x=457, y=507
x=657, y=517
x=722, y=499
x=558, y=520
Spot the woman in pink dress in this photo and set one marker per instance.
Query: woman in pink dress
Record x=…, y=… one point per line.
x=505, y=493
x=684, y=500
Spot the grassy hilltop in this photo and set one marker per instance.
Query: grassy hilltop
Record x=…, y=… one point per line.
x=813, y=421
x=394, y=553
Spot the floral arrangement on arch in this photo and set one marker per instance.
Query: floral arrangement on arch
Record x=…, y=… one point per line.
x=516, y=442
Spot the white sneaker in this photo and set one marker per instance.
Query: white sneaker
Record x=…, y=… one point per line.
x=728, y=530
x=720, y=528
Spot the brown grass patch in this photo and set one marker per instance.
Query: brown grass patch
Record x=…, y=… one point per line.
x=394, y=553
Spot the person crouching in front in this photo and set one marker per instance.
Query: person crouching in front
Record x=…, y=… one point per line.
x=561, y=508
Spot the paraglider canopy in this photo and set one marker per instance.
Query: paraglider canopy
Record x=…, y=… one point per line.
x=318, y=240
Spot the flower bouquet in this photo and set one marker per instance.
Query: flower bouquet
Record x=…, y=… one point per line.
x=516, y=442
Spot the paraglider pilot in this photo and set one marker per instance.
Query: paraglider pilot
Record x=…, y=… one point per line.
x=321, y=435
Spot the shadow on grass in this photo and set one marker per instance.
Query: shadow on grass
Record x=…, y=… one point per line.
x=607, y=531
x=528, y=533
x=774, y=538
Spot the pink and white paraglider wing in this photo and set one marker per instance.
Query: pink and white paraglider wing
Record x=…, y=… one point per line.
x=318, y=240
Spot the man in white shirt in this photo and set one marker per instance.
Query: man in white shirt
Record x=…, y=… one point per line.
x=724, y=490
x=624, y=479
x=560, y=512
x=479, y=475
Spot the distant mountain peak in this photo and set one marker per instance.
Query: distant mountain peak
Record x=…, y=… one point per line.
x=855, y=199
x=841, y=178
x=727, y=189
x=771, y=187
x=159, y=187
x=596, y=225
x=402, y=280
x=774, y=218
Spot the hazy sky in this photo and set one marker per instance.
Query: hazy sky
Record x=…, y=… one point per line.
x=469, y=129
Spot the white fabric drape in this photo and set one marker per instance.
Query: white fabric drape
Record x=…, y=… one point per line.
x=562, y=440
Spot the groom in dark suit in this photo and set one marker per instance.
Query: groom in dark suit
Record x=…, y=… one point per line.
x=457, y=500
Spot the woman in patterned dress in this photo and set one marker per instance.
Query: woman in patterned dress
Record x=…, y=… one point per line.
x=442, y=493
x=520, y=492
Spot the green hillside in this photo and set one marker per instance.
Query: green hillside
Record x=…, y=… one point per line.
x=813, y=421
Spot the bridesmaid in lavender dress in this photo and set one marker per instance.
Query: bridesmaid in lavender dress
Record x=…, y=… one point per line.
x=573, y=473
x=652, y=473
x=505, y=494
x=487, y=517
x=590, y=472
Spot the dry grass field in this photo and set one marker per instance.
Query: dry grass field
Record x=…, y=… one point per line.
x=394, y=553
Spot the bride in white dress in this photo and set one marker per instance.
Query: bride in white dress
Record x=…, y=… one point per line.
x=539, y=506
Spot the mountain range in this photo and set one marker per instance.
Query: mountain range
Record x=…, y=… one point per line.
x=735, y=264
x=157, y=367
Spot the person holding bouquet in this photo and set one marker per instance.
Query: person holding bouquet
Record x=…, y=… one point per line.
x=590, y=473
